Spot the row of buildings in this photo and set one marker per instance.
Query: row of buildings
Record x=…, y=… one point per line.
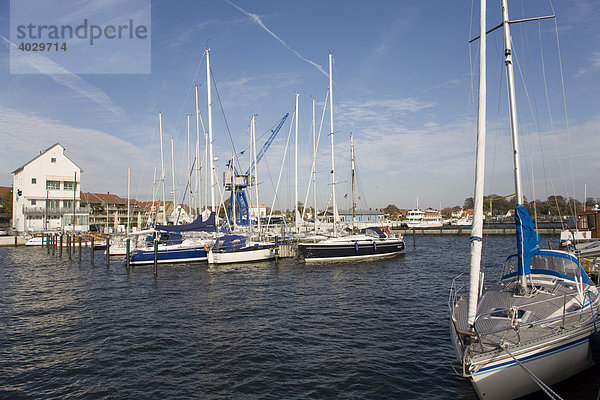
x=46, y=196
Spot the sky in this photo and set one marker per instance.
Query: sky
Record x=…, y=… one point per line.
x=405, y=84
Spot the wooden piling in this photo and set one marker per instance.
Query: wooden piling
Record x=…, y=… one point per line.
x=60, y=249
x=127, y=255
x=414, y=239
x=47, y=243
x=79, y=239
x=107, y=251
x=53, y=244
x=155, y=256
x=92, y=251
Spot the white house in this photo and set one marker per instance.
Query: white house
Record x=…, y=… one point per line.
x=47, y=194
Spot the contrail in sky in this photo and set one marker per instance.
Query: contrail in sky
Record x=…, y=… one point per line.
x=257, y=19
x=44, y=66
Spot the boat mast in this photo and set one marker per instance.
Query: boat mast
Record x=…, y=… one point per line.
x=314, y=165
x=162, y=168
x=353, y=193
x=253, y=134
x=335, y=211
x=297, y=217
x=173, y=178
x=198, y=183
x=477, y=226
x=188, y=172
x=128, y=195
x=510, y=77
x=210, y=133
x=233, y=196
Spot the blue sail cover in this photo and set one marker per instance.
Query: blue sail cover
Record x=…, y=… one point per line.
x=528, y=240
x=196, y=226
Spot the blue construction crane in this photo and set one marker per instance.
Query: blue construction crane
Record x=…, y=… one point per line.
x=242, y=181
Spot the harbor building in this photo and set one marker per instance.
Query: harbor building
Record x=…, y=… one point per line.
x=367, y=216
x=46, y=194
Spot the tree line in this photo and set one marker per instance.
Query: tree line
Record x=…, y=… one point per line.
x=555, y=205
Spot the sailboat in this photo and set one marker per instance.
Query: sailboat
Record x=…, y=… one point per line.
x=233, y=248
x=533, y=327
x=172, y=246
x=370, y=242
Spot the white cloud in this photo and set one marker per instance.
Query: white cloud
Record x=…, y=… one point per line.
x=103, y=158
x=594, y=65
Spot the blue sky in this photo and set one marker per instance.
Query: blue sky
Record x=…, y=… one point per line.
x=402, y=85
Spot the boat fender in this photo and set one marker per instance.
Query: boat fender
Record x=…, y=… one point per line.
x=356, y=247
x=375, y=246
x=205, y=247
x=595, y=346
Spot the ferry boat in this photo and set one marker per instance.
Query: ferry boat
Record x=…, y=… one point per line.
x=429, y=218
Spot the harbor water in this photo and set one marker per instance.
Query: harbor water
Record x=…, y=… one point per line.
x=274, y=330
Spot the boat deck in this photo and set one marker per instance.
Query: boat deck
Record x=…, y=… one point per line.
x=504, y=317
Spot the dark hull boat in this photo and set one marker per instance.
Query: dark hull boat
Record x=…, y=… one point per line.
x=370, y=243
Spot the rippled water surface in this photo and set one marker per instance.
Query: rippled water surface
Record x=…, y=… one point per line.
x=275, y=330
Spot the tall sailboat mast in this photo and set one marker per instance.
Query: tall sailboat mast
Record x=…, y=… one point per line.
x=477, y=226
x=173, y=176
x=297, y=217
x=162, y=167
x=198, y=179
x=314, y=177
x=210, y=133
x=335, y=211
x=353, y=191
x=253, y=130
x=510, y=76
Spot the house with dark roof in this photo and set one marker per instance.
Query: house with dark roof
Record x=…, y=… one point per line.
x=46, y=194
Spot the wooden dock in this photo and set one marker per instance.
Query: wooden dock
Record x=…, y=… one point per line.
x=467, y=231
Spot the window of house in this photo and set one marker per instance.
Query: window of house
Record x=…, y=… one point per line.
x=32, y=202
x=69, y=185
x=52, y=185
x=68, y=203
x=33, y=181
x=53, y=160
x=52, y=203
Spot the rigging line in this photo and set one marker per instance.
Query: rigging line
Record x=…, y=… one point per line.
x=314, y=158
x=276, y=191
x=212, y=75
x=147, y=157
x=552, y=127
x=188, y=93
x=549, y=392
x=562, y=80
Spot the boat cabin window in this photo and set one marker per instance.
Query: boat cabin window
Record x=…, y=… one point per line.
x=503, y=313
x=554, y=265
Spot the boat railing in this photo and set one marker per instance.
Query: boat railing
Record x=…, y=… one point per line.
x=456, y=288
x=514, y=323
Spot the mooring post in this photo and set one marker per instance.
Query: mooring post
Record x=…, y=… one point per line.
x=414, y=238
x=69, y=247
x=127, y=256
x=155, y=256
x=47, y=243
x=53, y=244
x=60, y=245
x=92, y=251
x=79, y=238
x=107, y=251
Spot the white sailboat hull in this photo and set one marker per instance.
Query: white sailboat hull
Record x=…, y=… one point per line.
x=230, y=257
x=499, y=376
